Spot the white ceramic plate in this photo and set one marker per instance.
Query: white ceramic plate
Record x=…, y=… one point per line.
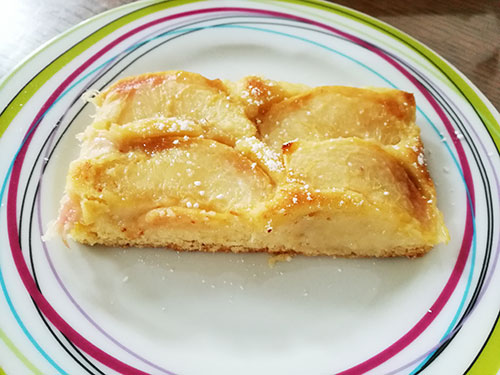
x=135, y=311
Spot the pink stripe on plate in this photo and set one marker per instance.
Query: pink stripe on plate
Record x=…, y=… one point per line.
x=119, y=366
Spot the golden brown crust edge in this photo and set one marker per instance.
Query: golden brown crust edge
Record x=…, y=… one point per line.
x=189, y=246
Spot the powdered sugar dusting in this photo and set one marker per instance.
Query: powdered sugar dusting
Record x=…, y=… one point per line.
x=270, y=158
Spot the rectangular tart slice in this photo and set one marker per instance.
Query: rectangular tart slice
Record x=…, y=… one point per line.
x=176, y=160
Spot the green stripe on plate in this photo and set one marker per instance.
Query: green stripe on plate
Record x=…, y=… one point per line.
x=2, y=372
x=22, y=98
x=488, y=361
x=18, y=354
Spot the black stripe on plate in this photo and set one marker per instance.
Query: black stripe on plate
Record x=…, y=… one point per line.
x=43, y=169
x=174, y=38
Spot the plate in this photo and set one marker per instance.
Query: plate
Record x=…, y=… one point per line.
x=81, y=310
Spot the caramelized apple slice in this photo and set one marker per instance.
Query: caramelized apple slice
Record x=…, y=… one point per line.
x=195, y=173
x=364, y=170
x=331, y=112
x=175, y=94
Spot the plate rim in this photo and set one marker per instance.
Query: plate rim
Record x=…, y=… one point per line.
x=475, y=91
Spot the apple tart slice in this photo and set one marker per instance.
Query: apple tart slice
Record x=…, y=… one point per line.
x=176, y=160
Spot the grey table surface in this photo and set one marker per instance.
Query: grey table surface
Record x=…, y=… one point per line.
x=466, y=33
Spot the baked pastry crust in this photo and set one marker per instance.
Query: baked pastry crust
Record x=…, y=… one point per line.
x=173, y=159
